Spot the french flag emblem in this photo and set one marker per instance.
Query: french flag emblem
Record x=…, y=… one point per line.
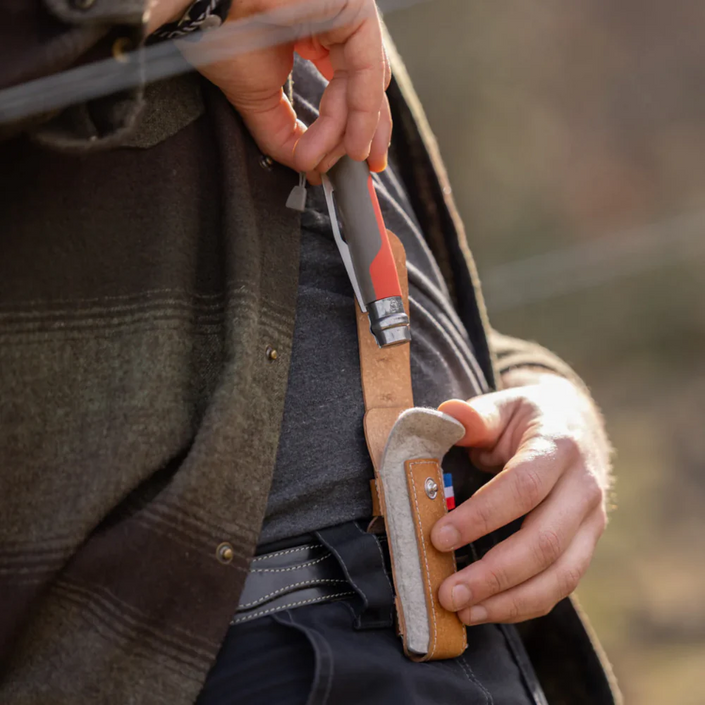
x=448, y=490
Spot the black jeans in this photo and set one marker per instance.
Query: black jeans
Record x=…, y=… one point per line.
x=347, y=652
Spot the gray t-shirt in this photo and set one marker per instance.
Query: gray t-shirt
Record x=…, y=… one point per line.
x=323, y=469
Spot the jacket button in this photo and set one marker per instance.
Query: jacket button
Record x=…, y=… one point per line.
x=121, y=46
x=272, y=354
x=225, y=553
x=266, y=162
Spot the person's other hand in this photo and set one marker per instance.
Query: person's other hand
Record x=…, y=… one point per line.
x=354, y=113
x=548, y=442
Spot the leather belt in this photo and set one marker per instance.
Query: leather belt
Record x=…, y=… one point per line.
x=292, y=577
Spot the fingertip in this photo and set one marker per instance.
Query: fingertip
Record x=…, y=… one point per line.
x=445, y=596
x=452, y=407
x=445, y=537
x=378, y=164
x=323, y=141
x=331, y=159
x=475, y=425
x=477, y=614
x=284, y=152
x=358, y=153
x=304, y=158
x=359, y=135
x=381, y=142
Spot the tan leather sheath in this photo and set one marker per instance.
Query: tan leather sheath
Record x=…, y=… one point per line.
x=386, y=388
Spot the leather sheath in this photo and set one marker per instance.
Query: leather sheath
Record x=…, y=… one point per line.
x=387, y=392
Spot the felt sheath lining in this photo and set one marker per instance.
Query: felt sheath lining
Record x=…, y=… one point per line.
x=417, y=433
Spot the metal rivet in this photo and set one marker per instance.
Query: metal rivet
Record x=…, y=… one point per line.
x=225, y=553
x=272, y=354
x=83, y=4
x=431, y=488
x=266, y=162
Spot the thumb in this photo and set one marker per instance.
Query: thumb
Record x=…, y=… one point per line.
x=274, y=127
x=485, y=417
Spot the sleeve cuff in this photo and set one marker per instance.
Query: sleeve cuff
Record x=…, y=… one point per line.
x=513, y=354
x=84, y=32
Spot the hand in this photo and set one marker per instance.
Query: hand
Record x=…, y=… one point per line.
x=160, y=12
x=355, y=118
x=549, y=440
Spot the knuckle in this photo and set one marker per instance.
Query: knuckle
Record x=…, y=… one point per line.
x=593, y=492
x=479, y=519
x=464, y=616
x=514, y=610
x=544, y=609
x=495, y=580
x=549, y=547
x=484, y=518
x=569, y=579
x=568, y=445
x=387, y=68
x=528, y=487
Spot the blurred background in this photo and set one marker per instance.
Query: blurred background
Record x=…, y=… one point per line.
x=574, y=134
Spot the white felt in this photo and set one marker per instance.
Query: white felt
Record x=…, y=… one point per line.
x=418, y=433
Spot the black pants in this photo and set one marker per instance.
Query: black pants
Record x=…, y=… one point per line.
x=347, y=652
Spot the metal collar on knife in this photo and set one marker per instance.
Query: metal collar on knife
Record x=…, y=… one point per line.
x=366, y=251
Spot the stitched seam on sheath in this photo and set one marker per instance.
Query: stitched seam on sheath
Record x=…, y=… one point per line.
x=380, y=502
x=465, y=631
x=293, y=567
x=425, y=556
x=439, y=479
x=305, y=583
x=310, y=601
x=287, y=551
x=452, y=553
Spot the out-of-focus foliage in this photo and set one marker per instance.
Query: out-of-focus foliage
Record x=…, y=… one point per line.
x=574, y=134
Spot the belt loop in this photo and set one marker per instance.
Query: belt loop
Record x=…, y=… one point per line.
x=361, y=558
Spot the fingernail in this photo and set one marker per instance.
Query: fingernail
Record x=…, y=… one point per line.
x=460, y=595
x=379, y=166
x=478, y=614
x=447, y=537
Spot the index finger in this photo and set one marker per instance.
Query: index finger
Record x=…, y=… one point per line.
x=361, y=56
x=522, y=485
